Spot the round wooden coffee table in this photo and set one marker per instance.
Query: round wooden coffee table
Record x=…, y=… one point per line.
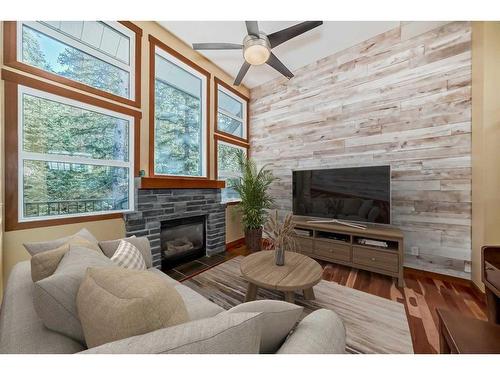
x=299, y=273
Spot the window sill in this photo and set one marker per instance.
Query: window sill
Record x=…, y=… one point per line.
x=12, y=224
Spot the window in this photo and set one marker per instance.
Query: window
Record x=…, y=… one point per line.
x=232, y=110
x=228, y=168
x=96, y=56
x=74, y=159
x=180, y=116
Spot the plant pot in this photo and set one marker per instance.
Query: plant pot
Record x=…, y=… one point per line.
x=253, y=239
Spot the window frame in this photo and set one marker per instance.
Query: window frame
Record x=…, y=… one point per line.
x=231, y=141
x=14, y=83
x=182, y=61
x=11, y=51
x=244, y=100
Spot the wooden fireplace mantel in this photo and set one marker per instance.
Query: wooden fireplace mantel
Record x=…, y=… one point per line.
x=180, y=183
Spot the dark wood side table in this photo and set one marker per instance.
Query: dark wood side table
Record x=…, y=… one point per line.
x=459, y=334
x=490, y=260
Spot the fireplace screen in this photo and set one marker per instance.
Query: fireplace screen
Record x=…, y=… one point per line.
x=182, y=240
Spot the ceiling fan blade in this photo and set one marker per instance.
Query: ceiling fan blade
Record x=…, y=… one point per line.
x=209, y=46
x=243, y=70
x=275, y=39
x=252, y=27
x=279, y=66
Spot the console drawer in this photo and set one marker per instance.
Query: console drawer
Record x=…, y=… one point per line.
x=332, y=250
x=304, y=245
x=376, y=259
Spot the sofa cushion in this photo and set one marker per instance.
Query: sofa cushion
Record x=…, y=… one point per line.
x=37, y=247
x=21, y=330
x=198, y=307
x=321, y=332
x=278, y=319
x=127, y=256
x=222, y=334
x=141, y=243
x=45, y=263
x=116, y=303
x=55, y=296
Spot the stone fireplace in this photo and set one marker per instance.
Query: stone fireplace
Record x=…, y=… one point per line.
x=159, y=211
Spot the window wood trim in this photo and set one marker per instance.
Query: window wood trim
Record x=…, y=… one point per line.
x=245, y=99
x=230, y=140
x=153, y=43
x=12, y=80
x=10, y=60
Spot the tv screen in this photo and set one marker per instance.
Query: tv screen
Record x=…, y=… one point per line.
x=352, y=194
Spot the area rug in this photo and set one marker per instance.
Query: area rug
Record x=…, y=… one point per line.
x=373, y=324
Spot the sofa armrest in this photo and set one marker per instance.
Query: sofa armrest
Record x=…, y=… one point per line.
x=321, y=332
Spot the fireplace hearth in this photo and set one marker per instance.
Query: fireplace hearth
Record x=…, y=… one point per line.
x=182, y=240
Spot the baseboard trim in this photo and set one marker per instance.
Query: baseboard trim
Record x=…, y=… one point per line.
x=478, y=292
x=234, y=244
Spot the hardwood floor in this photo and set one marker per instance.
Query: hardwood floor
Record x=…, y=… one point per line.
x=422, y=294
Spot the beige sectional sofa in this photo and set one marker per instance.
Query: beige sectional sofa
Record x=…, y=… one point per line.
x=210, y=328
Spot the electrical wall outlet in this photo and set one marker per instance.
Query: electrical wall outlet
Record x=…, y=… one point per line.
x=415, y=250
x=467, y=266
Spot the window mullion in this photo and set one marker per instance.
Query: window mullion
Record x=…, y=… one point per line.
x=225, y=113
x=73, y=159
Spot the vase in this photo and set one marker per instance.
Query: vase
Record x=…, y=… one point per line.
x=253, y=239
x=280, y=257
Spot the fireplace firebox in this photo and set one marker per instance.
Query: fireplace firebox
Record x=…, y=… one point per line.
x=182, y=240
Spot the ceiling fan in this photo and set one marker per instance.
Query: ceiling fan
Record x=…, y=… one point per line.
x=257, y=46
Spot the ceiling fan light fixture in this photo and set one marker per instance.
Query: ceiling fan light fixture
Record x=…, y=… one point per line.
x=256, y=50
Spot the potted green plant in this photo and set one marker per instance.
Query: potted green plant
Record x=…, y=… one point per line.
x=252, y=187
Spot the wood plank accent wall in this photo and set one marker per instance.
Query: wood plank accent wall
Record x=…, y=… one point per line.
x=388, y=100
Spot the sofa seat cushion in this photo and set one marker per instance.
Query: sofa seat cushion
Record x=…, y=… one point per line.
x=45, y=263
x=116, y=303
x=198, y=307
x=278, y=319
x=38, y=247
x=55, y=296
x=141, y=243
x=222, y=334
x=21, y=329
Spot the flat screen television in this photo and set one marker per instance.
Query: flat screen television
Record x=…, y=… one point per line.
x=361, y=194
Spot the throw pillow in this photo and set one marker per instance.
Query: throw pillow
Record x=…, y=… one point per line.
x=117, y=303
x=141, y=243
x=45, y=263
x=278, y=319
x=54, y=297
x=127, y=256
x=38, y=247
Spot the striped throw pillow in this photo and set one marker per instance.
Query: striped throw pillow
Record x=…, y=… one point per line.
x=128, y=256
